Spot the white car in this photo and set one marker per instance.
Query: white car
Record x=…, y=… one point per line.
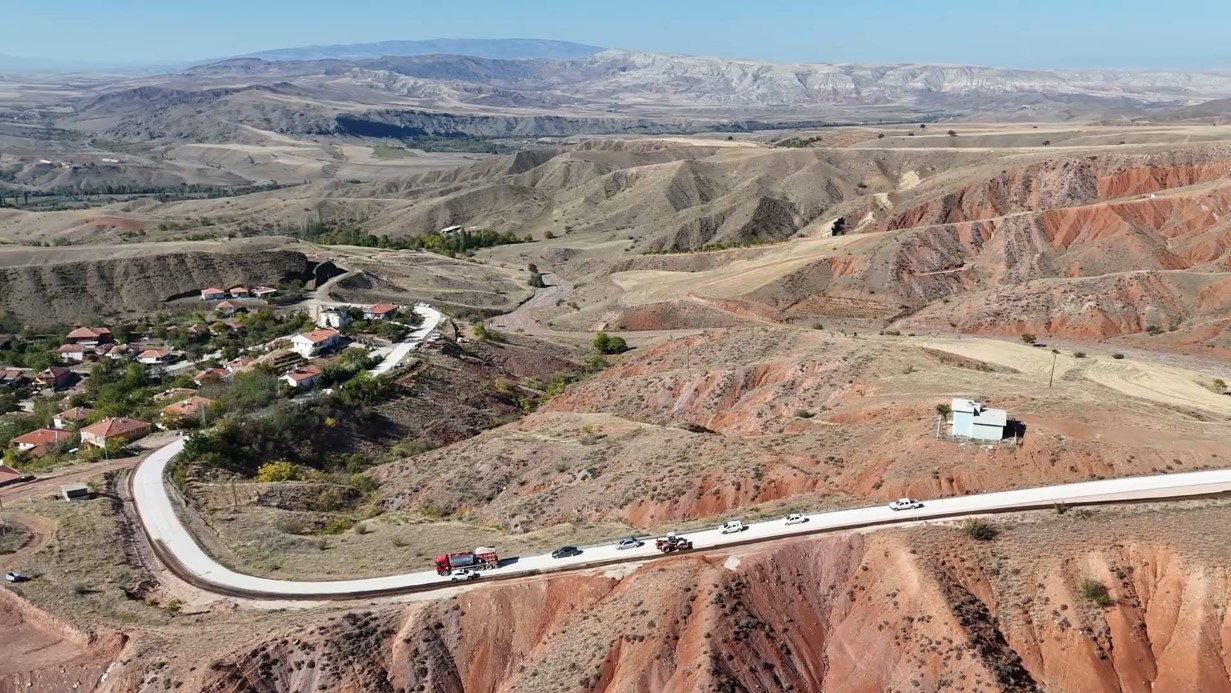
x=628, y=543
x=464, y=575
x=795, y=519
x=733, y=526
x=905, y=504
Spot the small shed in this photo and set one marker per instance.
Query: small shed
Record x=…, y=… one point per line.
x=976, y=421
x=75, y=492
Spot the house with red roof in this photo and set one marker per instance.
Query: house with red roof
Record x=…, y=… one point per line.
x=213, y=294
x=8, y=475
x=194, y=408
x=72, y=419
x=380, y=311
x=56, y=377
x=240, y=292
x=155, y=357
x=72, y=352
x=119, y=428
x=210, y=375
x=12, y=377
x=302, y=378
x=310, y=344
x=39, y=441
x=89, y=337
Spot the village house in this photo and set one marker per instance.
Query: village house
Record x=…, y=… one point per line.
x=226, y=309
x=89, y=337
x=210, y=375
x=72, y=352
x=973, y=420
x=8, y=475
x=213, y=294
x=108, y=431
x=38, y=442
x=239, y=364
x=337, y=318
x=240, y=292
x=155, y=357
x=118, y=352
x=56, y=378
x=302, y=378
x=264, y=291
x=71, y=419
x=310, y=344
x=12, y=377
x=192, y=408
x=380, y=311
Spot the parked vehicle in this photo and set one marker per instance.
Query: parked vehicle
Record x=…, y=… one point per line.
x=672, y=542
x=481, y=558
x=565, y=552
x=733, y=526
x=464, y=575
x=795, y=519
x=628, y=543
x=14, y=576
x=905, y=504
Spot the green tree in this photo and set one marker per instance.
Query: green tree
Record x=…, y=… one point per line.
x=607, y=344
x=1028, y=339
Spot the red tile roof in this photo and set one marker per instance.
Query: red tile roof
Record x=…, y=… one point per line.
x=8, y=475
x=89, y=333
x=42, y=436
x=322, y=335
x=154, y=354
x=211, y=374
x=188, y=407
x=71, y=348
x=382, y=308
x=240, y=289
x=75, y=414
x=225, y=305
x=118, y=426
x=303, y=373
x=211, y=291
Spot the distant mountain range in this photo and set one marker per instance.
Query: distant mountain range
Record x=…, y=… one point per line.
x=499, y=49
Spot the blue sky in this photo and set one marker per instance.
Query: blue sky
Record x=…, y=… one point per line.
x=1043, y=33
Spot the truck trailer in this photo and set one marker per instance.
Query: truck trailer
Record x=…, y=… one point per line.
x=481, y=558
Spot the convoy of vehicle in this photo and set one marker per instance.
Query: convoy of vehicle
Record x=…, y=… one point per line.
x=466, y=566
x=482, y=558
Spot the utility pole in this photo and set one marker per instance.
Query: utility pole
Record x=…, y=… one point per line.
x=1052, y=377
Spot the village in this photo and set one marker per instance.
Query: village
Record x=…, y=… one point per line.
x=103, y=388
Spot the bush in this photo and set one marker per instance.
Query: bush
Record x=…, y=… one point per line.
x=337, y=525
x=280, y=470
x=1117, y=356
x=817, y=326
x=1079, y=354
x=980, y=529
x=803, y=414
x=1096, y=592
x=606, y=344
x=1028, y=339
x=1219, y=385
x=953, y=133
x=291, y=525
x=362, y=528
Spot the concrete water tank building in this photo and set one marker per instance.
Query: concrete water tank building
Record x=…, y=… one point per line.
x=973, y=420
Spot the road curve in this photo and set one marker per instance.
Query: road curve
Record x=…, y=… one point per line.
x=176, y=545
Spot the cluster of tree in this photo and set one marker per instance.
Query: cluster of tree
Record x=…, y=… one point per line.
x=606, y=344
x=162, y=193
x=333, y=233
x=536, y=277
x=798, y=142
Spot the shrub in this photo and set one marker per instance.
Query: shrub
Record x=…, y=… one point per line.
x=1117, y=356
x=803, y=414
x=1219, y=384
x=817, y=326
x=174, y=606
x=397, y=541
x=1096, y=592
x=549, y=235
x=980, y=529
x=338, y=525
x=1079, y=354
x=280, y=470
x=606, y=344
x=1028, y=338
x=880, y=136
x=1046, y=143
x=1061, y=508
x=943, y=410
x=362, y=528
x=953, y=133
x=1153, y=329
x=291, y=525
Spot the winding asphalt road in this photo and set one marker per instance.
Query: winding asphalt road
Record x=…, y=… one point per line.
x=176, y=545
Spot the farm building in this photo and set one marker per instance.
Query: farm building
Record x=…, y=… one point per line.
x=973, y=420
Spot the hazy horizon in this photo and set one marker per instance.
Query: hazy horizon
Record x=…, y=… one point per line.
x=1046, y=34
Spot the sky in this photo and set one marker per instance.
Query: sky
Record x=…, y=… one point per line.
x=1011, y=33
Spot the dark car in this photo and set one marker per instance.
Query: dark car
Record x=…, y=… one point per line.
x=565, y=552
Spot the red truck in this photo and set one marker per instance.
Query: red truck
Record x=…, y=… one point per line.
x=481, y=558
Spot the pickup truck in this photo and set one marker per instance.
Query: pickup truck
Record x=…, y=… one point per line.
x=733, y=526
x=905, y=504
